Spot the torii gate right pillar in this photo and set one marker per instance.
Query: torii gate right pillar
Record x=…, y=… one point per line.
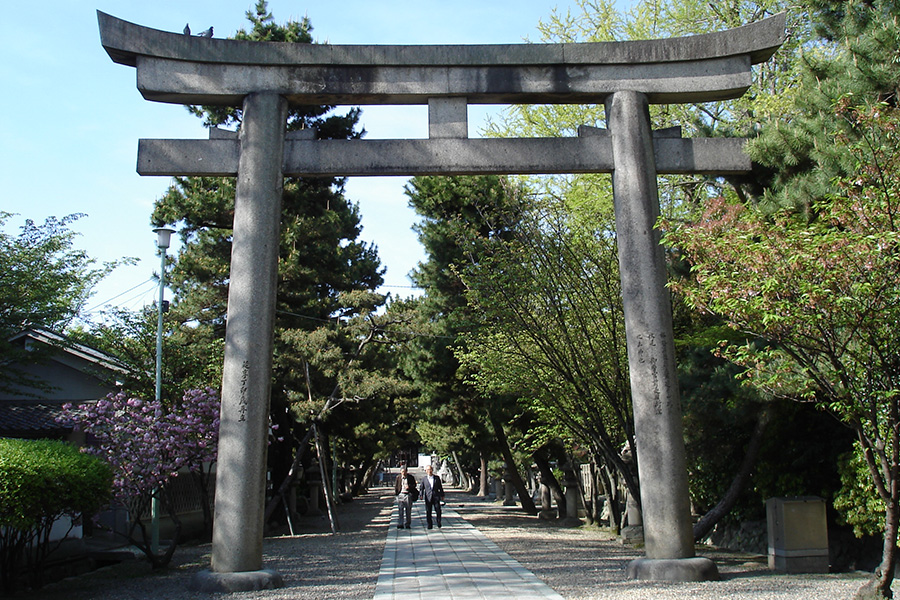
x=665, y=503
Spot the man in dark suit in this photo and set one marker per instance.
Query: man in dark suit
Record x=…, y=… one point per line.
x=403, y=489
x=431, y=489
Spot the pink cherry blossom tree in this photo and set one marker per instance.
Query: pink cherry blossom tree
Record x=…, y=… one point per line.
x=148, y=445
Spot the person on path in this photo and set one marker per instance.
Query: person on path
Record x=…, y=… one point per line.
x=432, y=491
x=403, y=489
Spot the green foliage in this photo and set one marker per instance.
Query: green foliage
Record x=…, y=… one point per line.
x=326, y=277
x=560, y=281
x=770, y=95
x=857, y=59
x=810, y=276
x=552, y=329
x=41, y=481
x=191, y=359
x=856, y=502
x=818, y=296
x=719, y=416
x=456, y=214
x=44, y=283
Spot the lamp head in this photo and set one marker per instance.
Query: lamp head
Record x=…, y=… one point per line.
x=163, y=237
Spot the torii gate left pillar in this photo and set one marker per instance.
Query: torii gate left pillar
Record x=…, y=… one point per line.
x=265, y=77
x=247, y=373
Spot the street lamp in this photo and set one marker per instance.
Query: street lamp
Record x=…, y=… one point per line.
x=163, y=237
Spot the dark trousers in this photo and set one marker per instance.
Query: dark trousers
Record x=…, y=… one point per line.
x=434, y=503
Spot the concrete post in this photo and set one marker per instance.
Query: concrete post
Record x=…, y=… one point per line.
x=648, y=329
x=547, y=511
x=509, y=491
x=546, y=497
x=241, y=479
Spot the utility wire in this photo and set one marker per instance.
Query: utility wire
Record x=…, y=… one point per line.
x=105, y=302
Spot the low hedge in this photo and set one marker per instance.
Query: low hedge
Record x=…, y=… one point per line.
x=41, y=479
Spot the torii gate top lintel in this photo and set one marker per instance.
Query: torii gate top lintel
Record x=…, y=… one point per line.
x=184, y=69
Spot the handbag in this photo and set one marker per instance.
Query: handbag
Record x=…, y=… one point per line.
x=413, y=494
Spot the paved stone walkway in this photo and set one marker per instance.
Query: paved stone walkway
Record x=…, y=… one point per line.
x=456, y=562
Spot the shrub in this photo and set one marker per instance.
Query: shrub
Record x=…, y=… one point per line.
x=147, y=443
x=41, y=481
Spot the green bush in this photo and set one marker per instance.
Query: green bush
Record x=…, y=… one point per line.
x=857, y=503
x=40, y=481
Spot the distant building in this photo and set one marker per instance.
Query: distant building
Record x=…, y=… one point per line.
x=73, y=372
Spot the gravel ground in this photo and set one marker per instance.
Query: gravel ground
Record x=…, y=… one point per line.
x=580, y=563
x=314, y=564
x=584, y=563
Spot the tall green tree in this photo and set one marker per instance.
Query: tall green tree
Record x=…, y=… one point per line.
x=848, y=91
x=458, y=214
x=45, y=283
x=854, y=57
x=679, y=195
x=603, y=21
x=321, y=257
x=130, y=336
x=820, y=300
x=552, y=329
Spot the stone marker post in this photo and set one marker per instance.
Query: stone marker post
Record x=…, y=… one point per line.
x=665, y=502
x=246, y=379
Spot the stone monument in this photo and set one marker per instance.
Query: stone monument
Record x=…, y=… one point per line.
x=265, y=77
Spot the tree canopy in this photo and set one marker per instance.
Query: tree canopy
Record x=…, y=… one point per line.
x=45, y=283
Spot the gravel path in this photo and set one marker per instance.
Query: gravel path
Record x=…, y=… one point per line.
x=579, y=563
x=583, y=563
x=314, y=564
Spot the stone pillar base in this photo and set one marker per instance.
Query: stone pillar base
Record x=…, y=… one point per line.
x=244, y=581
x=632, y=534
x=673, y=569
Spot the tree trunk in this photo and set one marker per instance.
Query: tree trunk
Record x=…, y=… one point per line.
x=596, y=486
x=201, y=480
x=465, y=481
x=549, y=479
x=884, y=574
x=291, y=476
x=607, y=479
x=323, y=472
x=715, y=514
x=524, y=496
x=483, y=476
x=364, y=477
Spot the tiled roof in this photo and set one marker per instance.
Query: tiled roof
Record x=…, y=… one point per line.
x=30, y=419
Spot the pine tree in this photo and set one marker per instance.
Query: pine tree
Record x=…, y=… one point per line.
x=323, y=267
x=459, y=214
x=854, y=60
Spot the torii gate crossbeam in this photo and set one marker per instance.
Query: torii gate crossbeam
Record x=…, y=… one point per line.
x=264, y=78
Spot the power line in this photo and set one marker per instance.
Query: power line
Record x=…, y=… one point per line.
x=105, y=302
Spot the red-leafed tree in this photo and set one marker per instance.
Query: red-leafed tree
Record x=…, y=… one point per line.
x=817, y=294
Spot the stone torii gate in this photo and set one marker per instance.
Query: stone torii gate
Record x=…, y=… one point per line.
x=264, y=78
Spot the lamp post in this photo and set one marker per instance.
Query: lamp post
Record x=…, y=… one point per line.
x=163, y=237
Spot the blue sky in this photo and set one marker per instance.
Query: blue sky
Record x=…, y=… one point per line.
x=72, y=118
